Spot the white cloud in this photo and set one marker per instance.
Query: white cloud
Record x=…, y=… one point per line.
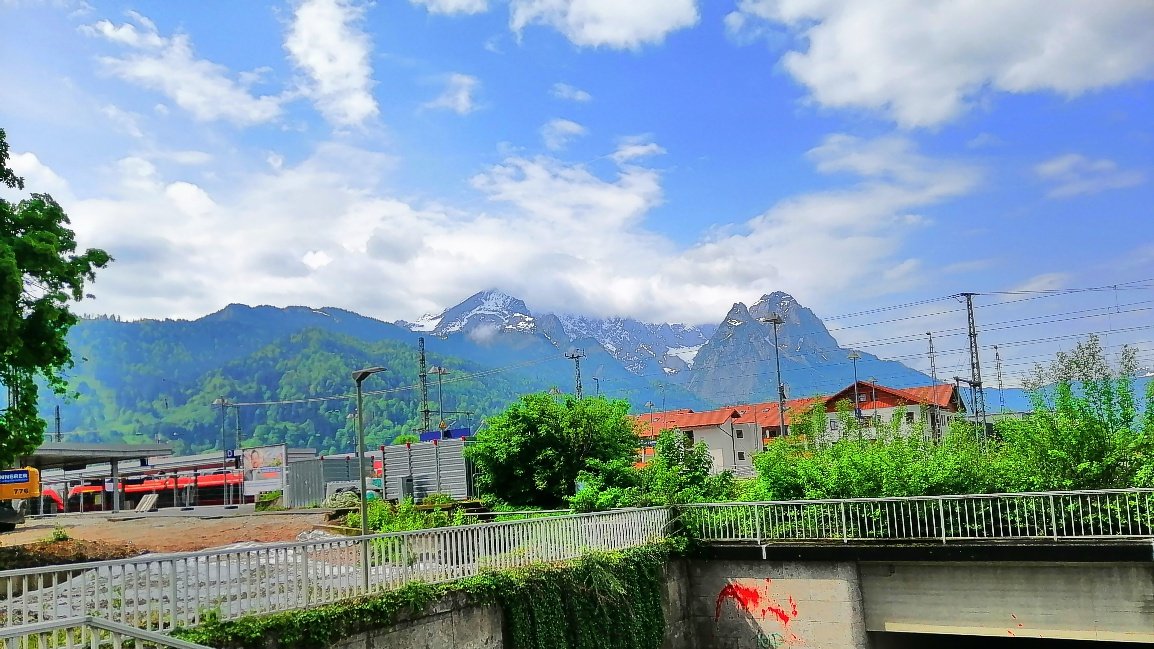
x=327, y=43
x=1073, y=174
x=454, y=6
x=925, y=62
x=458, y=94
x=570, y=93
x=558, y=132
x=169, y=65
x=1044, y=282
x=609, y=23
x=38, y=177
x=126, y=121
x=633, y=148
x=560, y=235
x=191, y=158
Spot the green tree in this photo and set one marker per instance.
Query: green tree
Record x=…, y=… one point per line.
x=406, y=438
x=1085, y=431
x=679, y=472
x=531, y=454
x=40, y=274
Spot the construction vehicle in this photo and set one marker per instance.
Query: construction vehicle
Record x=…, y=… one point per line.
x=17, y=486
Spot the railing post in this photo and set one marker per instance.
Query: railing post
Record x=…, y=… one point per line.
x=307, y=583
x=757, y=522
x=1053, y=518
x=175, y=621
x=844, y=524
x=942, y=516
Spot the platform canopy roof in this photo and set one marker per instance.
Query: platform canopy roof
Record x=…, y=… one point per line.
x=73, y=456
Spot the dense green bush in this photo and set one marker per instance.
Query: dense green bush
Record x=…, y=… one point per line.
x=678, y=473
x=532, y=453
x=1088, y=430
x=404, y=516
x=892, y=465
x=598, y=601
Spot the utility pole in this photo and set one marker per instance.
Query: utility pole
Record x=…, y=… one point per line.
x=934, y=427
x=576, y=355
x=597, y=384
x=424, y=383
x=775, y=319
x=1001, y=388
x=59, y=437
x=975, y=365
x=223, y=403
x=440, y=372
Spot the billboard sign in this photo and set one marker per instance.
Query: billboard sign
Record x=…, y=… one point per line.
x=263, y=469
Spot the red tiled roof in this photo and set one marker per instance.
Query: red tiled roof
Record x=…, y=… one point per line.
x=650, y=425
x=938, y=395
x=935, y=395
x=766, y=414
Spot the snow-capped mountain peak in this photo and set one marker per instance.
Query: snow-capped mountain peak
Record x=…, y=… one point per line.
x=490, y=309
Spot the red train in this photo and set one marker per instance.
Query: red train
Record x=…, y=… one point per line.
x=173, y=491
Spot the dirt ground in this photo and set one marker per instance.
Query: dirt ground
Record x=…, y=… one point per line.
x=167, y=533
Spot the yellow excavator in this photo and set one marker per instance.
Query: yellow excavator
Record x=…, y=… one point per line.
x=17, y=486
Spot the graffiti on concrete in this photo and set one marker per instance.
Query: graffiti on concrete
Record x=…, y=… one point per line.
x=756, y=598
x=771, y=641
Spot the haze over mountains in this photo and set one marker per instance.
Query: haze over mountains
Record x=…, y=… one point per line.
x=157, y=379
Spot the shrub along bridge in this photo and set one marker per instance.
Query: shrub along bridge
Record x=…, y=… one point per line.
x=156, y=593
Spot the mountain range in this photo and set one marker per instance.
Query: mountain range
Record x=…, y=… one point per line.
x=158, y=379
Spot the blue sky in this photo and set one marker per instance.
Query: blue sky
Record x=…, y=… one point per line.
x=660, y=159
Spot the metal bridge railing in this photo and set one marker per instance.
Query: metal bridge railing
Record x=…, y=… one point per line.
x=1113, y=513
x=87, y=632
x=164, y=591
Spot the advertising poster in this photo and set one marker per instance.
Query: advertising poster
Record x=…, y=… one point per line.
x=263, y=469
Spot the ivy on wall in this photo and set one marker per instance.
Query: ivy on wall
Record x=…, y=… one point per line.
x=603, y=600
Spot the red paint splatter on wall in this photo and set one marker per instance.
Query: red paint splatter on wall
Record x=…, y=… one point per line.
x=747, y=597
x=759, y=604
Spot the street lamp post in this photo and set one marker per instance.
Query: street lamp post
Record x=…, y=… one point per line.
x=853, y=356
x=776, y=320
x=597, y=382
x=359, y=376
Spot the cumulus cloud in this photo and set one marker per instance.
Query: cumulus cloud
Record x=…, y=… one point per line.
x=558, y=132
x=925, y=62
x=597, y=23
x=1073, y=174
x=169, y=65
x=453, y=6
x=326, y=42
x=458, y=94
x=38, y=177
x=125, y=121
x=570, y=93
x=564, y=236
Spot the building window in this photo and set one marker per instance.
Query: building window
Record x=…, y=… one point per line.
x=861, y=398
x=834, y=424
x=739, y=433
x=909, y=417
x=741, y=455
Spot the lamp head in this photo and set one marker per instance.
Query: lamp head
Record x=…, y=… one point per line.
x=361, y=375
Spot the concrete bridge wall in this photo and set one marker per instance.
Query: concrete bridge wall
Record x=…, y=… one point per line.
x=754, y=604
x=1074, y=601
x=759, y=604
x=848, y=604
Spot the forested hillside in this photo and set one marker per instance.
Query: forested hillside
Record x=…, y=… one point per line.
x=162, y=385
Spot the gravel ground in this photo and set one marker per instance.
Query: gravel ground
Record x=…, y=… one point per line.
x=170, y=531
